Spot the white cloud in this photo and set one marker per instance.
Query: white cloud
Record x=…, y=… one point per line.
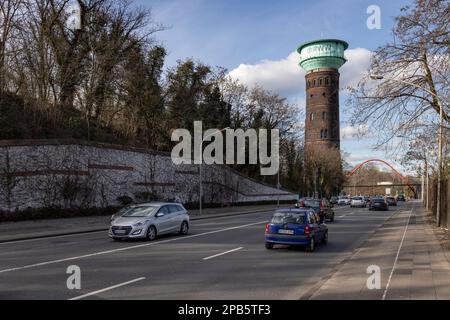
x=287, y=78
x=282, y=76
x=358, y=62
x=356, y=158
x=355, y=133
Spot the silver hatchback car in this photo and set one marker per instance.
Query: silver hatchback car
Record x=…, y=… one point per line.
x=147, y=220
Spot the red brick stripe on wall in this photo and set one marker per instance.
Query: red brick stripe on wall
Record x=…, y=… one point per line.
x=110, y=167
x=44, y=173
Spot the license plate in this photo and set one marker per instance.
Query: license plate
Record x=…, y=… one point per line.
x=120, y=231
x=284, y=231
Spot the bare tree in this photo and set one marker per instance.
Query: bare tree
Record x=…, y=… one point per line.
x=413, y=73
x=9, y=12
x=323, y=171
x=274, y=111
x=236, y=94
x=114, y=31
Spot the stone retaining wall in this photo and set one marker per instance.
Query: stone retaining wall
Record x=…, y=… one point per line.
x=70, y=173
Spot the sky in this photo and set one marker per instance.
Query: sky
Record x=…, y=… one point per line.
x=256, y=40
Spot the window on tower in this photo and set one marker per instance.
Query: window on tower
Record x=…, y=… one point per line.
x=324, y=116
x=311, y=117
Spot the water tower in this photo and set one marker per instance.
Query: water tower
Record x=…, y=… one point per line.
x=321, y=59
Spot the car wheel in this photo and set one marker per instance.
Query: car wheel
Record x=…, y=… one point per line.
x=151, y=233
x=184, y=229
x=325, y=238
x=269, y=245
x=311, y=246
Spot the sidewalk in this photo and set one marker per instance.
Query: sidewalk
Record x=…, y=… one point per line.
x=413, y=263
x=23, y=230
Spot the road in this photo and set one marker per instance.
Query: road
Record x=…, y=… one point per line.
x=221, y=258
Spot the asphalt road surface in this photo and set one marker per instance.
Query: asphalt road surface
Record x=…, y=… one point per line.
x=221, y=258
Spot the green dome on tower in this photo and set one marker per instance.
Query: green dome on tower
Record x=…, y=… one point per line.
x=320, y=54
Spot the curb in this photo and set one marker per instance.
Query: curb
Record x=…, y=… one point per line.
x=58, y=234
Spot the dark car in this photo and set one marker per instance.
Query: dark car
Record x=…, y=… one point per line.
x=391, y=201
x=300, y=227
x=378, y=204
x=320, y=206
x=401, y=197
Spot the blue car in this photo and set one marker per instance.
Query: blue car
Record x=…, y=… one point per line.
x=300, y=227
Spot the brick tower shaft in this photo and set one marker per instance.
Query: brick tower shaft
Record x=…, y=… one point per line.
x=322, y=109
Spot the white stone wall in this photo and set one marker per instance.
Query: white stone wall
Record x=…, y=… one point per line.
x=36, y=174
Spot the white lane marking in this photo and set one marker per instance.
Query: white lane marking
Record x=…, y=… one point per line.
x=396, y=257
x=221, y=254
x=129, y=248
x=107, y=289
x=352, y=232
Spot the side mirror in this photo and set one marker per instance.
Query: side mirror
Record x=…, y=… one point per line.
x=159, y=214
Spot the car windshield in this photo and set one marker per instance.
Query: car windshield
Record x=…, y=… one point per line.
x=390, y=198
x=378, y=200
x=122, y=211
x=356, y=198
x=312, y=203
x=143, y=211
x=288, y=217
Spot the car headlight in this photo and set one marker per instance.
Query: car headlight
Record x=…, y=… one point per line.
x=139, y=224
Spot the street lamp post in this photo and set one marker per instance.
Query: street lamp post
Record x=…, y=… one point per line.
x=427, y=178
x=438, y=204
x=278, y=187
x=422, y=184
x=200, y=171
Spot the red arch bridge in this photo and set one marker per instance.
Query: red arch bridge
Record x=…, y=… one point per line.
x=411, y=186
